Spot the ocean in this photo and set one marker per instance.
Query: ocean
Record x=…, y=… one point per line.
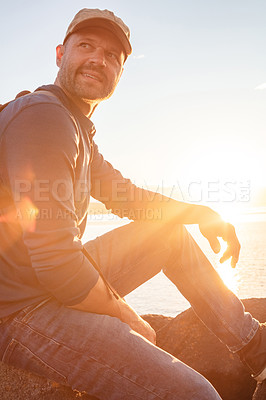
x=248, y=279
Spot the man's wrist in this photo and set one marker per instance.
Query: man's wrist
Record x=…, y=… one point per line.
x=207, y=214
x=127, y=313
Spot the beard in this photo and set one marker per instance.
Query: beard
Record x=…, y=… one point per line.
x=73, y=82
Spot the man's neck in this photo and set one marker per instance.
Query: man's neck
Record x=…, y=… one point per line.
x=87, y=108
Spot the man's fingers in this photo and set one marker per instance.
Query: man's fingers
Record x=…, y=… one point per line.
x=234, y=253
x=233, y=248
x=227, y=232
x=215, y=244
x=227, y=254
x=234, y=261
x=235, y=256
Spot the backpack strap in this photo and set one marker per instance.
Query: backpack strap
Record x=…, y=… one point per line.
x=20, y=94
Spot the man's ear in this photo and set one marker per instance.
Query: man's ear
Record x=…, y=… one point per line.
x=60, y=50
x=121, y=73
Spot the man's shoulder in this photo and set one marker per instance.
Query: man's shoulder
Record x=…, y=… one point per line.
x=38, y=98
x=41, y=104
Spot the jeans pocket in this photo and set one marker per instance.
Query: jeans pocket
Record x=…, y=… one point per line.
x=20, y=356
x=25, y=314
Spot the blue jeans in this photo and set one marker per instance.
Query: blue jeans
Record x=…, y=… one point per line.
x=101, y=355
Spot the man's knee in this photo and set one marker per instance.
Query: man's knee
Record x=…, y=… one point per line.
x=199, y=388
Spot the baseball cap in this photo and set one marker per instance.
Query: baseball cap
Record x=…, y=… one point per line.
x=101, y=18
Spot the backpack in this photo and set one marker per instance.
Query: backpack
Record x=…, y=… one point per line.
x=20, y=94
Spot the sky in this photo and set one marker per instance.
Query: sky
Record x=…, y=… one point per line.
x=189, y=111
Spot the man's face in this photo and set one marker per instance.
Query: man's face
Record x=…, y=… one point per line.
x=91, y=63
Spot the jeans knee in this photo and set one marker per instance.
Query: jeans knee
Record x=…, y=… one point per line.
x=203, y=390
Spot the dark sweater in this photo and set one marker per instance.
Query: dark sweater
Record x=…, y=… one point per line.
x=49, y=168
x=46, y=178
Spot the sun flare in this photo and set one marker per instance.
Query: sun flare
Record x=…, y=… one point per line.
x=229, y=275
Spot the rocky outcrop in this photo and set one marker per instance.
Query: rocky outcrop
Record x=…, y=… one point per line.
x=189, y=340
x=260, y=392
x=17, y=384
x=185, y=337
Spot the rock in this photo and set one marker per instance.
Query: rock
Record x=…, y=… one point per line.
x=16, y=384
x=260, y=392
x=190, y=341
x=185, y=337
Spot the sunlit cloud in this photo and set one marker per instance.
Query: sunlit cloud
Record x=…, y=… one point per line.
x=139, y=56
x=261, y=87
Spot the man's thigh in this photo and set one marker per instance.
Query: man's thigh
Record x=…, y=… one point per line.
x=97, y=354
x=132, y=254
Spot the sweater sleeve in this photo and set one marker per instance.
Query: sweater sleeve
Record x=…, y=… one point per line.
x=41, y=150
x=121, y=196
x=125, y=199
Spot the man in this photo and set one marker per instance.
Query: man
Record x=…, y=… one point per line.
x=61, y=306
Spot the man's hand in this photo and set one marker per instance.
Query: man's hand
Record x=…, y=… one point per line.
x=212, y=228
x=101, y=301
x=142, y=327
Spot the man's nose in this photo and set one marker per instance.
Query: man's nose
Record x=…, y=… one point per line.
x=97, y=57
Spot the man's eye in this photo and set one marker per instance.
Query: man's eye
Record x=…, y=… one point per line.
x=85, y=45
x=112, y=55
